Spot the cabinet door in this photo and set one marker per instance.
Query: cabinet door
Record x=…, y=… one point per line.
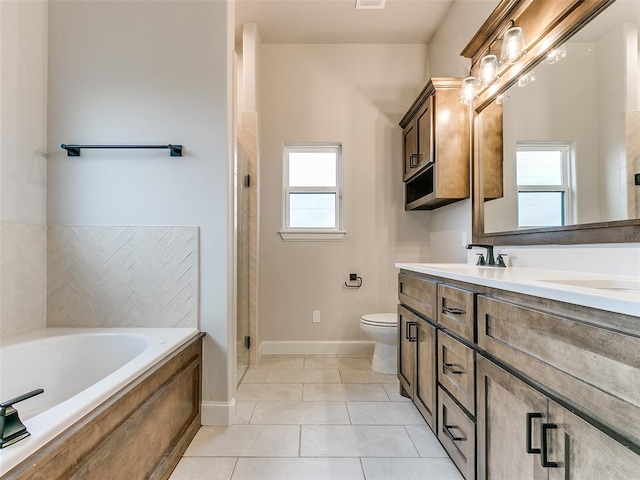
x=410, y=149
x=407, y=336
x=425, y=387
x=509, y=417
x=425, y=134
x=582, y=452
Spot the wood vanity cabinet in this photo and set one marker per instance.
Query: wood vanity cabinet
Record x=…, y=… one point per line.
x=525, y=388
x=436, y=147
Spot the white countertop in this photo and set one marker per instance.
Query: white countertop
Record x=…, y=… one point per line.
x=614, y=293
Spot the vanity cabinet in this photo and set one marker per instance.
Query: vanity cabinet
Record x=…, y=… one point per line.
x=436, y=147
x=417, y=362
x=525, y=387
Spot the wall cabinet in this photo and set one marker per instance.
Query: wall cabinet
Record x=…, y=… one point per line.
x=436, y=147
x=524, y=388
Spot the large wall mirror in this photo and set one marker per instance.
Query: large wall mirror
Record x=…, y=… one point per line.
x=570, y=143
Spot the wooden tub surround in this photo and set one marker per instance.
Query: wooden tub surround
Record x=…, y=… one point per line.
x=139, y=433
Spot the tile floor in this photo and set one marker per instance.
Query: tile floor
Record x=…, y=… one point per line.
x=317, y=418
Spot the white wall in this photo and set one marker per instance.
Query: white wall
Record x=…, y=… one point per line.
x=355, y=95
x=23, y=168
x=149, y=72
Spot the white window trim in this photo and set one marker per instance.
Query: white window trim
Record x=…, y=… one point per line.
x=567, y=149
x=312, y=234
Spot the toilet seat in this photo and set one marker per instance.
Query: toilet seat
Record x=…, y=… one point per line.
x=381, y=320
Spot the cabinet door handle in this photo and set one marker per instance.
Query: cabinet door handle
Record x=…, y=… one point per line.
x=453, y=311
x=543, y=445
x=409, y=336
x=412, y=157
x=447, y=431
x=449, y=367
x=530, y=417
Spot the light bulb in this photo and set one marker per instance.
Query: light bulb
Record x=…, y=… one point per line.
x=488, y=70
x=512, y=46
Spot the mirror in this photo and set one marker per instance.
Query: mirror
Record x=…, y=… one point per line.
x=570, y=141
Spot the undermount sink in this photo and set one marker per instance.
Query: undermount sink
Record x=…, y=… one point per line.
x=626, y=286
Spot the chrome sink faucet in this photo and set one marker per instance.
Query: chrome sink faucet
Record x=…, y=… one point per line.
x=490, y=261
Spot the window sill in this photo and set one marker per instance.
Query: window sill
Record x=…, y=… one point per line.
x=311, y=236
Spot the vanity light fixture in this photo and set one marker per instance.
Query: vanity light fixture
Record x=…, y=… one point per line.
x=512, y=46
x=555, y=55
x=488, y=70
x=468, y=90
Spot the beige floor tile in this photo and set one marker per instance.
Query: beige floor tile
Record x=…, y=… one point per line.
x=340, y=393
x=355, y=441
x=246, y=441
x=203, y=468
x=303, y=376
x=255, y=375
x=393, y=390
x=425, y=441
x=298, y=469
x=296, y=413
x=260, y=392
x=281, y=362
x=355, y=363
x=244, y=410
x=363, y=376
x=384, y=413
x=410, y=469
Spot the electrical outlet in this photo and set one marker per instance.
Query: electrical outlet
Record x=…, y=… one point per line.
x=464, y=238
x=316, y=316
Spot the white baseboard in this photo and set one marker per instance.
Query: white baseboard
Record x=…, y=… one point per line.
x=218, y=413
x=353, y=347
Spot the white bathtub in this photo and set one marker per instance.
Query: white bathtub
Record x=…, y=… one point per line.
x=78, y=368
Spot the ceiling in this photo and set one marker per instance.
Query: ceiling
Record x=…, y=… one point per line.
x=337, y=21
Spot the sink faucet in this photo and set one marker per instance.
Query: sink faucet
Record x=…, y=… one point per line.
x=490, y=258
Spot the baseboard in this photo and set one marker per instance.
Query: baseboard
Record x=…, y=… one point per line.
x=353, y=347
x=218, y=413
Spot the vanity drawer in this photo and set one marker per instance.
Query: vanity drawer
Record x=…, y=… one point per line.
x=418, y=293
x=457, y=433
x=456, y=370
x=456, y=311
x=595, y=369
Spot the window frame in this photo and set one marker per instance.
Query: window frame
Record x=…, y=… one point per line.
x=289, y=233
x=566, y=150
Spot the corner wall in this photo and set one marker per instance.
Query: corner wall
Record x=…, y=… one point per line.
x=23, y=166
x=156, y=72
x=354, y=95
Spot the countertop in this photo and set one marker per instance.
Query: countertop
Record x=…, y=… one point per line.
x=614, y=293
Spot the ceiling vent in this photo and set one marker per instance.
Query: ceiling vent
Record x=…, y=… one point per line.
x=369, y=4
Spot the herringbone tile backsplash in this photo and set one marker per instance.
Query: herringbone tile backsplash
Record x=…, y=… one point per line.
x=22, y=278
x=122, y=276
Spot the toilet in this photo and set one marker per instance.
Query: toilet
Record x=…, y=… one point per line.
x=383, y=328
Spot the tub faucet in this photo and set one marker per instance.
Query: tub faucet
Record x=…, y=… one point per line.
x=490, y=261
x=12, y=430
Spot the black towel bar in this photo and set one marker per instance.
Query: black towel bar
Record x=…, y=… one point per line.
x=74, y=150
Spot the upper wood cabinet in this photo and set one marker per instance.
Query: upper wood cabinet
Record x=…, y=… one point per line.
x=436, y=147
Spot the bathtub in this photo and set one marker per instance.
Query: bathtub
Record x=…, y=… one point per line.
x=79, y=369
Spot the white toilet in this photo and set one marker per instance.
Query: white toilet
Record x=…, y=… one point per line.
x=383, y=328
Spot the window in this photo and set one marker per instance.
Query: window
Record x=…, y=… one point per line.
x=543, y=179
x=312, y=192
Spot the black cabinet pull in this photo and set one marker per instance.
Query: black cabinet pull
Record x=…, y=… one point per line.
x=412, y=338
x=447, y=431
x=530, y=417
x=453, y=311
x=449, y=367
x=543, y=445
